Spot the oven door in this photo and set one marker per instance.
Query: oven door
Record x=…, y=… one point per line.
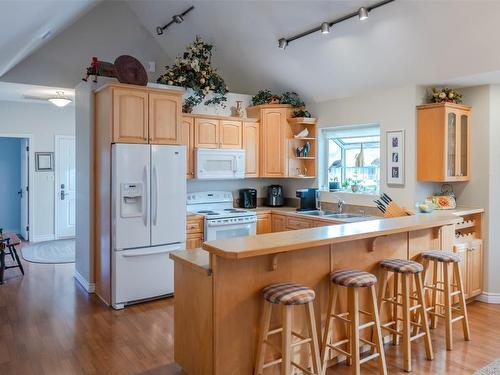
x=220, y=232
x=219, y=164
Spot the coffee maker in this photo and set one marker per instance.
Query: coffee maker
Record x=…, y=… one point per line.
x=275, y=196
x=248, y=198
x=307, y=199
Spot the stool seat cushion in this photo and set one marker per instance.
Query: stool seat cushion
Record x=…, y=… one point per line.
x=401, y=266
x=288, y=294
x=442, y=256
x=353, y=278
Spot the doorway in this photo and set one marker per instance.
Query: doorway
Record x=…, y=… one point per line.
x=14, y=190
x=65, y=187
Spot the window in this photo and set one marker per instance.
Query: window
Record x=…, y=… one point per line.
x=353, y=158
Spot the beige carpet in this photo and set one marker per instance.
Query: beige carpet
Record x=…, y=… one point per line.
x=60, y=251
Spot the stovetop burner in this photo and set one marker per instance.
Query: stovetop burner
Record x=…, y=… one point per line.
x=207, y=212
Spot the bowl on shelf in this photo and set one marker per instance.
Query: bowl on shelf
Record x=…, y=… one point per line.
x=425, y=207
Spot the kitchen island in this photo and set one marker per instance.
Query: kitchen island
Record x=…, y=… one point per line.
x=217, y=289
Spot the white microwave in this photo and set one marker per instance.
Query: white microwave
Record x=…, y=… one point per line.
x=219, y=164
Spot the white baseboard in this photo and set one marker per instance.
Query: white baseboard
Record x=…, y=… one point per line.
x=44, y=237
x=486, y=297
x=89, y=287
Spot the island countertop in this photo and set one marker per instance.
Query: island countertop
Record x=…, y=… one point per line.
x=272, y=243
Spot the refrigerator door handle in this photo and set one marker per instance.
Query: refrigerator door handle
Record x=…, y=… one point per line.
x=145, y=253
x=146, y=196
x=154, y=197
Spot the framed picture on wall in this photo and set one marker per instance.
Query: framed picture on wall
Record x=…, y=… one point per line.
x=396, y=157
x=44, y=161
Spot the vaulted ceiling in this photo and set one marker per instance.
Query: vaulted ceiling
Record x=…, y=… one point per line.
x=405, y=42
x=27, y=25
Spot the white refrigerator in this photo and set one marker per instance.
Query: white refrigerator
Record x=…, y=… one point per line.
x=148, y=219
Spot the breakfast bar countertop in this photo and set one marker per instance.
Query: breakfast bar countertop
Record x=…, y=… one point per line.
x=272, y=243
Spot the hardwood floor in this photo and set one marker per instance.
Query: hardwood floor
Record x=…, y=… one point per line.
x=49, y=325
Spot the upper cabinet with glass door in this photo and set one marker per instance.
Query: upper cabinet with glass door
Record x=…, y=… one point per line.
x=443, y=142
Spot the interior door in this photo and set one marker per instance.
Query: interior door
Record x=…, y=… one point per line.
x=23, y=189
x=168, y=194
x=65, y=186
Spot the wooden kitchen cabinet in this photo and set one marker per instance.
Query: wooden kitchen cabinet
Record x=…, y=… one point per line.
x=187, y=139
x=273, y=139
x=264, y=224
x=471, y=267
x=443, y=142
x=250, y=143
x=206, y=133
x=194, y=231
x=164, y=119
x=294, y=223
x=130, y=115
x=230, y=134
x=141, y=115
x=278, y=223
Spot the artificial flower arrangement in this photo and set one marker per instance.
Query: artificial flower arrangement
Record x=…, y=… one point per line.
x=445, y=95
x=194, y=70
x=288, y=97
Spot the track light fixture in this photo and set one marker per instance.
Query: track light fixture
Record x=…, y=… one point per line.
x=282, y=43
x=361, y=13
x=178, y=18
x=325, y=28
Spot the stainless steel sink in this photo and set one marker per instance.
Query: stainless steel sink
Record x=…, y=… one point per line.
x=317, y=213
x=344, y=216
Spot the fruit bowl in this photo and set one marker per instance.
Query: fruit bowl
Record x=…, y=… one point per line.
x=425, y=207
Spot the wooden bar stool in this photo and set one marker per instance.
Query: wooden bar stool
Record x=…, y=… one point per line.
x=353, y=280
x=403, y=297
x=287, y=295
x=446, y=260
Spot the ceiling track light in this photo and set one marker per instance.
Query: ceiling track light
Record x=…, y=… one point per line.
x=324, y=28
x=363, y=13
x=178, y=18
x=282, y=43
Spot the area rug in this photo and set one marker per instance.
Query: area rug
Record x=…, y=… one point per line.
x=60, y=251
x=492, y=369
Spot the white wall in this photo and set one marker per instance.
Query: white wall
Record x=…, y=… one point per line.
x=109, y=30
x=493, y=258
x=10, y=175
x=43, y=122
x=392, y=109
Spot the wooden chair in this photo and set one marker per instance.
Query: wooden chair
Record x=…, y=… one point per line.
x=353, y=280
x=9, y=241
x=287, y=295
x=405, y=273
x=444, y=264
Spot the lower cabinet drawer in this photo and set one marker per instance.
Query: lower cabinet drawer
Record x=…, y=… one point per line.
x=296, y=223
x=194, y=226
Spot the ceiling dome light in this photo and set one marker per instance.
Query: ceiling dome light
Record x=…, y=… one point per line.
x=282, y=43
x=325, y=28
x=60, y=100
x=363, y=13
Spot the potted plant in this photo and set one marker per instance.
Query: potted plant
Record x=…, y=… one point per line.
x=194, y=71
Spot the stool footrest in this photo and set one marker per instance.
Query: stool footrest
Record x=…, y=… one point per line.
x=335, y=347
x=457, y=318
x=272, y=363
x=366, y=325
x=369, y=358
x=417, y=336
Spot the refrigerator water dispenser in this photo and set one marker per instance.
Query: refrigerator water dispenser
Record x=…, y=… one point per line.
x=132, y=199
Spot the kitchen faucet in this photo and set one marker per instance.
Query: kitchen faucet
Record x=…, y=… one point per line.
x=340, y=204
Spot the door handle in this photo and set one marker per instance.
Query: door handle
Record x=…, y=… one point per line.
x=63, y=194
x=20, y=193
x=154, y=203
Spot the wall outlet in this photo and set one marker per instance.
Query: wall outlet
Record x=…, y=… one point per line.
x=151, y=66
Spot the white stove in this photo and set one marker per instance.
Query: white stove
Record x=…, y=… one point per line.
x=221, y=219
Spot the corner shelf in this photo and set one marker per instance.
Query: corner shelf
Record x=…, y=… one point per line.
x=305, y=157
x=302, y=139
x=303, y=120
